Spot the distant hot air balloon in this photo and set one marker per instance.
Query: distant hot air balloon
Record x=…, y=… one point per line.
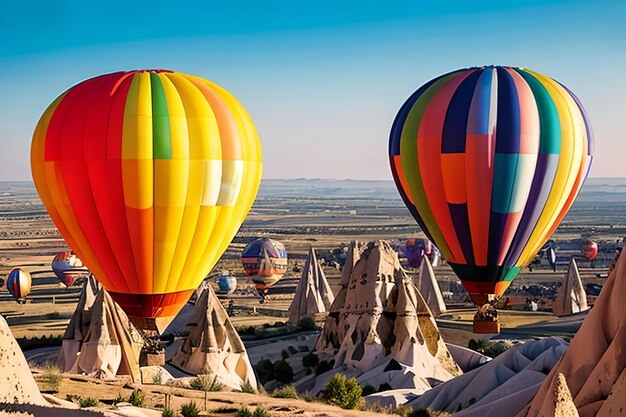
x=227, y=284
x=68, y=267
x=148, y=175
x=18, y=284
x=265, y=261
x=415, y=249
x=589, y=249
x=489, y=160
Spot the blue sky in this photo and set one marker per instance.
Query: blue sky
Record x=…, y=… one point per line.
x=322, y=80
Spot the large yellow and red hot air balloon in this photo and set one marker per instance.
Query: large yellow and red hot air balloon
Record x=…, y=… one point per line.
x=489, y=160
x=148, y=175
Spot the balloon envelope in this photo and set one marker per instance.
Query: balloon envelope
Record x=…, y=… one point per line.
x=68, y=267
x=489, y=160
x=18, y=283
x=415, y=249
x=227, y=284
x=265, y=261
x=589, y=249
x=148, y=175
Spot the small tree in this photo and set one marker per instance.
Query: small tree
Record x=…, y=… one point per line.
x=137, y=398
x=265, y=370
x=307, y=323
x=310, y=360
x=344, y=392
x=285, y=392
x=189, y=409
x=206, y=383
x=283, y=372
x=323, y=366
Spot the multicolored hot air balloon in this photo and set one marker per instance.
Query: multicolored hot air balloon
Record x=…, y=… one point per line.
x=489, y=160
x=68, y=267
x=415, y=249
x=265, y=261
x=148, y=175
x=18, y=284
x=589, y=249
x=227, y=284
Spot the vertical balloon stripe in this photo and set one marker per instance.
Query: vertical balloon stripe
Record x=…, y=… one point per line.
x=105, y=179
x=569, y=163
x=457, y=114
x=549, y=148
x=160, y=120
x=76, y=175
x=574, y=176
x=479, y=162
x=583, y=113
x=411, y=167
x=138, y=176
x=202, y=129
x=460, y=220
x=508, y=117
x=171, y=179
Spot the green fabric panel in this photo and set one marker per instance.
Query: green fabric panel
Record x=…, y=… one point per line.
x=162, y=140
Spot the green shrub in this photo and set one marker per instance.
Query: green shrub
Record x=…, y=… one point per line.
x=491, y=349
x=310, y=360
x=292, y=350
x=285, y=392
x=53, y=378
x=283, y=372
x=137, y=398
x=189, y=410
x=284, y=354
x=323, y=366
x=87, y=402
x=206, y=383
x=367, y=390
x=247, y=388
x=168, y=412
x=307, y=323
x=426, y=412
x=259, y=412
x=244, y=412
x=344, y=392
x=264, y=370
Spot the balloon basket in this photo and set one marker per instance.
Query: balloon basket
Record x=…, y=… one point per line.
x=152, y=358
x=486, y=327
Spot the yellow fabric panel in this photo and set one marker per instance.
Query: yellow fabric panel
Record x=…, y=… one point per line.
x=212, y=174
x=137, y=178
x=170, y=181
x=207, y=220
x=167, y=222
x=201, y=120
x=232, y=176
x=179, y=134
x=570, y=160
x=189, y=223
x=137, y=129
x=224, y=226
